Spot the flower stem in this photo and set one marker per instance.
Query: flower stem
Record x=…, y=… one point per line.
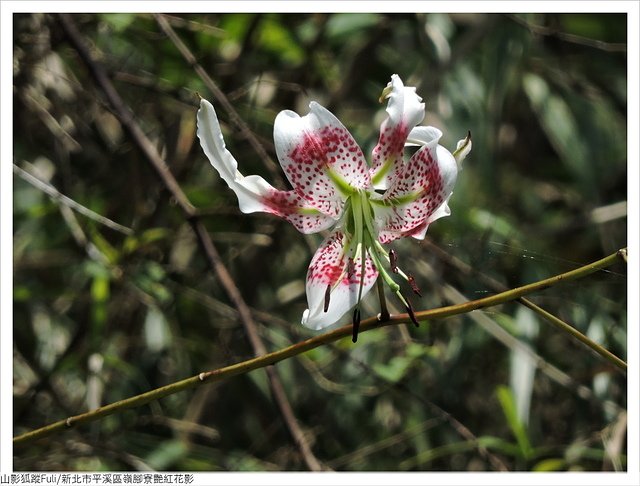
x=329, y=337
x=384, y=312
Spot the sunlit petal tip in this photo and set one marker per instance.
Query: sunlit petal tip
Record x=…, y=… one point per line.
x=424, y=136
x=404, y=111
x=212, y=142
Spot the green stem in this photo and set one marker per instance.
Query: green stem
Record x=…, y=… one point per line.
x=563, y=326
x=329, y=337
x=384, y=312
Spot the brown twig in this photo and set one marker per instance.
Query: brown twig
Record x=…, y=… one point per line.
x=493, y=284
x=308, y=344
x=60, y=198
x=125, y=116
x=564, y=36
x=245, y=131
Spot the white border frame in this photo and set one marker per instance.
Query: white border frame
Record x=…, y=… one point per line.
x=631, y=477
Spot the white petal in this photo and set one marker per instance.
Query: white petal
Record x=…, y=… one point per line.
x=419, y=196
x=462, y=149
x=329, y=268
x=404, y=111
x=253, y=192
x=320, y=157
x=421, y=136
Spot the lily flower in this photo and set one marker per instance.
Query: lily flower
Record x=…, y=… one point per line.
x=333, y=188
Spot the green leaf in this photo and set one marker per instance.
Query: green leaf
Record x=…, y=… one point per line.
x=517, y=428
x=275, y=38
x=166, y=454
x=395, y=369
x=547, y=465
x=119, y=21
x=345, y=24
x=106, y=248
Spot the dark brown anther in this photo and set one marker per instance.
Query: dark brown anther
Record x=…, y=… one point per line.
x=412, y=316
x=356, y=324
x=327, y=295
x=351, y=267
x=393, y=261
x=414, y=285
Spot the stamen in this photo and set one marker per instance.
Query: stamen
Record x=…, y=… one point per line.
x=356, y=324
x=327, y=295
x=393, y=261
x=384, y=312
x=351, y=267
x=412, y=316
x=414, y=285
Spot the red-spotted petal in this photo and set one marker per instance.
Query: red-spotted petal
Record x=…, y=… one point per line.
x=320, y=157
x=253, y=192
x=331, y=268
x=404, y=111
x=421, y=193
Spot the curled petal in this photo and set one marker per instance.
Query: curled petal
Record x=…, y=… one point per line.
x=331, y=268
x=420, y=195
x=462, y=149
x=320, y=157
x=253, y=192
x=404, y=111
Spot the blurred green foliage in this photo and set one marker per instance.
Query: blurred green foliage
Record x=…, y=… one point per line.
x=100, y=316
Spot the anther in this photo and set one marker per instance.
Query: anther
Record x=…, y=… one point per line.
x=327, y=295
x=356, y=324
x=412, y=316
x=393, y=261
x=414, y=285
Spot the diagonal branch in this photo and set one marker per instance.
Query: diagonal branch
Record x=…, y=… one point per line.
x=308, y=344
x=57, y=196
x=548, y=316
x=125, y=117
x=246, y=132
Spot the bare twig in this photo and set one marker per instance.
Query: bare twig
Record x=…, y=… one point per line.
x=215, y=261
x=564, y=36
x=548, y=316
x=308, y=344
x=57, y=196
x=272, y=167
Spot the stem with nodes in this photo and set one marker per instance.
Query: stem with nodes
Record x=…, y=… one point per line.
x=308, y=344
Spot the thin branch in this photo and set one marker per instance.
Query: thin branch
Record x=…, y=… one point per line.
x=57, y=196
x=245, y=131
x=399, y=438
x=511, y=342
x=548, y=316
x=460, y=428
x=125, y=116
x=308, y=344
x=572, y=38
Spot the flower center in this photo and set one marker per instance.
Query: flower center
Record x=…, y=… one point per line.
x=361, y=242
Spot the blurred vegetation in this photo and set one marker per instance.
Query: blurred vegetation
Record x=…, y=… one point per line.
x=100, y=315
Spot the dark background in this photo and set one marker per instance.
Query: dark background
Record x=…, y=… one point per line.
x=100, y=316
